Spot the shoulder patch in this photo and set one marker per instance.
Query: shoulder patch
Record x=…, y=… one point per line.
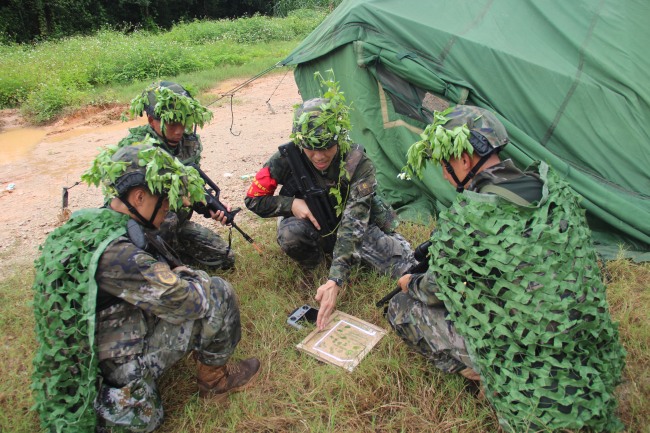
x=364, y=188
x=161, y=272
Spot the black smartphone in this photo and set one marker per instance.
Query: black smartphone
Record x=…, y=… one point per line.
x=304, y=313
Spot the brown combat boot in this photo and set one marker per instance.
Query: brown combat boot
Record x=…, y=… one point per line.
x=218, y=382
x=470, y=374
x=475, y=378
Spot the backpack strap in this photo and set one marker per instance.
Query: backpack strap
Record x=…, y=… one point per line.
x=505, y=193
x=353, y=158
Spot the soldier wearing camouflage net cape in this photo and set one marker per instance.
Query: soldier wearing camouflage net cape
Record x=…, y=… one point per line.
x=513, y=292
x=173, y=116
x=366, y=228
x=114, y=308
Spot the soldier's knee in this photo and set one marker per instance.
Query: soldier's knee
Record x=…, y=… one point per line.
x=223, y=293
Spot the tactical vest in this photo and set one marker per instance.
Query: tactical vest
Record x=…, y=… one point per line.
x=381, y=213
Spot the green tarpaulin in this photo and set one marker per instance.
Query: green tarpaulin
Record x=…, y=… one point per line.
x=570, y=80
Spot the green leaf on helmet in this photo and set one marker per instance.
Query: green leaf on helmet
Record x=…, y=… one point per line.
x=436, y=143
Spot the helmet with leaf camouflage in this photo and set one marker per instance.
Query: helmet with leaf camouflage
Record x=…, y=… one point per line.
x=170, y=102
x=458, y=129
x=310, y=126
x=119, y=170
x=486, y=133
x=321, y=123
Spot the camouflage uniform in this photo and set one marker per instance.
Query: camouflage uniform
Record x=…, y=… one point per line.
x=195, y=244
x=363, y=233
x=148, y=318
x=419, y=317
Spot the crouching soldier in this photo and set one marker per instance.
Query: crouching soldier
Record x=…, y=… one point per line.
x=115, y=308
x=513, y=295
x=360, y=227
x=173, y=117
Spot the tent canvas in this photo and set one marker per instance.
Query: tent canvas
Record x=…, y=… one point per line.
x=569, y=80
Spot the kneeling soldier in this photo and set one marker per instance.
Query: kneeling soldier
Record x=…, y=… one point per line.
x=115, y=309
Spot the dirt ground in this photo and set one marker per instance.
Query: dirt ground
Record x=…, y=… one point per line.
x=41, y=161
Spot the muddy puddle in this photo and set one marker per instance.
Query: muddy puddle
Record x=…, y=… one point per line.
x=18, y=142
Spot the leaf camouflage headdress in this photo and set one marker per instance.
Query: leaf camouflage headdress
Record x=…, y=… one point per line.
x=170, y=102
x=119, y=169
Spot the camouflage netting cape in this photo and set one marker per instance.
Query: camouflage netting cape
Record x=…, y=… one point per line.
x=523, y=288
x=65, y=295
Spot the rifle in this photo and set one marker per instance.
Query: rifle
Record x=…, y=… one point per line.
x=421, y=254
x=314, y=195
x=145, y=239
x=214, y=204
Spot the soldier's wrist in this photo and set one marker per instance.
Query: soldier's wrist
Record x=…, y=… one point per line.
x=338, y=281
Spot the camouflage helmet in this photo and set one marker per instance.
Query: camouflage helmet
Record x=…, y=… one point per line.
x=153, y=98
x=121, y=169
x=487, y=133
x=134, y=174
x=170, y=102
x=311, y=128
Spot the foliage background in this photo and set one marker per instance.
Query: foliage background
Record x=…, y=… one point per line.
x=57, y=76
x=34, y=20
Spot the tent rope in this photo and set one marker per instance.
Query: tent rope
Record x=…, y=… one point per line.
x=231, y=92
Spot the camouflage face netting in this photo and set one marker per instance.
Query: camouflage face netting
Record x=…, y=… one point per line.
x=523, y=287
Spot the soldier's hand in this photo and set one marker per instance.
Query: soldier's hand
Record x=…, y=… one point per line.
x=403, y=282
x=326, y=295
x=299, y=209
x=220, y=215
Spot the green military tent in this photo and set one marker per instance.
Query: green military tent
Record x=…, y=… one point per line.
x=569, y=79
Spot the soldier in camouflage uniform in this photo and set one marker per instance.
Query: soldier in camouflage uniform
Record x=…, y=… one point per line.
x=150, y=310
x=513, y=295
x=366, y=231
x=173, y=116
x=416, y=314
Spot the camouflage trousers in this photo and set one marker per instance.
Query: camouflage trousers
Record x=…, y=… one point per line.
x=128, y=398
x=195, y=244
x=388, y=254
x=427, y=330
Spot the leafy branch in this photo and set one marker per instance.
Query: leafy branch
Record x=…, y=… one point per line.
x=164, y=174
x=171, y=108
x=438, y=144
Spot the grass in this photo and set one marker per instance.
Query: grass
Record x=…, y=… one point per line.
x=52, y=78
x=392, y=390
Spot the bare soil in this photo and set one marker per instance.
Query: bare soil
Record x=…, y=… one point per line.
x=236, y=144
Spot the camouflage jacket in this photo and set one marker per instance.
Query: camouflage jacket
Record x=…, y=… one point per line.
x=147, y=289
x=82, y=263
x=188, y=151
x=514, y=182
x=356, y=213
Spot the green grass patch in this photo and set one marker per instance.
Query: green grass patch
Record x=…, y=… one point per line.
x=51, y=78
x=18, y=342
x=392, y=390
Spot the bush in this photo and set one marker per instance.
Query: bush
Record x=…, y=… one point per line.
x=13, y=92
x=79, y=64
x=283, y=8
x=49, y=100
